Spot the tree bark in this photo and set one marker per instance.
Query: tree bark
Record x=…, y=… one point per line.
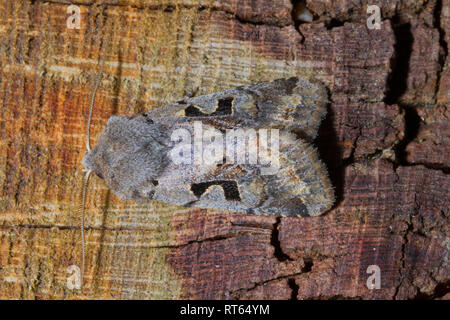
x=385, y=142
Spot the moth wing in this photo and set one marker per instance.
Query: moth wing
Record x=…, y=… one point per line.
x=299, y=185
x=295, y=104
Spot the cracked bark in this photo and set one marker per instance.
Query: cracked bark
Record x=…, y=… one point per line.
x=384, y=141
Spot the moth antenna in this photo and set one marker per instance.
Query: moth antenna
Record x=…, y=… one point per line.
x=82, y=209
x=88, y=172
x=91, y=108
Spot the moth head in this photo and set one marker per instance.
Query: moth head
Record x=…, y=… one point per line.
x=129, y=155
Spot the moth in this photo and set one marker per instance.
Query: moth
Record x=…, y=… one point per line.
x=247, y=149
x=135, y=155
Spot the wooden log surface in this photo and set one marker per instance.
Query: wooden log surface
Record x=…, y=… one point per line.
x=385, y=142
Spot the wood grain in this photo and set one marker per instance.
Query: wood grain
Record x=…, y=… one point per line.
x=385, y=142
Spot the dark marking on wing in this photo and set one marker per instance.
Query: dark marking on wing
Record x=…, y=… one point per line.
x=192, y=111
x=224, y=107
x=190, y=203
x=230, y=189
x=147, y=118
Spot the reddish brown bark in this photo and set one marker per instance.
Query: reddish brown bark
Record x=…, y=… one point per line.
x=385, y=142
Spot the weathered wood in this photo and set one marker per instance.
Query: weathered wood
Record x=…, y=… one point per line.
x=385, y=142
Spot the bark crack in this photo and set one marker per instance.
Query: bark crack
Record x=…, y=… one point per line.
x=294, y=287
x=442, y=42
x=440, y=290
x=402, y=269
x=210, y=239
x=261, y=283
x=275, y=242
x=291, y=283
